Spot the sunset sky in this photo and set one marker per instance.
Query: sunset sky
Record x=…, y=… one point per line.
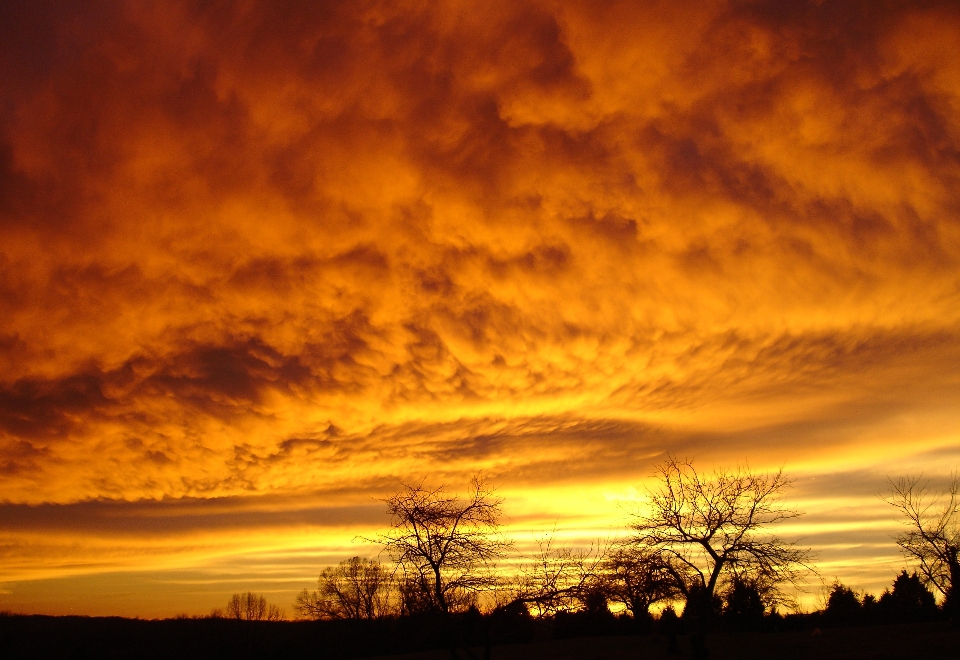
x=262, y=262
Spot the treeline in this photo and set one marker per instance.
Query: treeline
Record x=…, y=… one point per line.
x=907, y=600
x=79, y=638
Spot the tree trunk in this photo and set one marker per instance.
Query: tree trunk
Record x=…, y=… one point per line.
x=714, y=576
x=951, y=603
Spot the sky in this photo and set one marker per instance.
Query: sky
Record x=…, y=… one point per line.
x=263, y=263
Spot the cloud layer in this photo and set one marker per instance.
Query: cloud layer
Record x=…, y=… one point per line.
x=249, y=251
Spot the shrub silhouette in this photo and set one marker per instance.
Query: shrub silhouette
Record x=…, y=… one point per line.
x=669, y=625
x=843, y=605
x=909, y=600
x=743, y=606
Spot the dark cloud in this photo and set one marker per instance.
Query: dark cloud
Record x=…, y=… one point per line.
x=43, y=409
x=106, y=518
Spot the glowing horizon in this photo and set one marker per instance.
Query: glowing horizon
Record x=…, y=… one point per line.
x=259, y=265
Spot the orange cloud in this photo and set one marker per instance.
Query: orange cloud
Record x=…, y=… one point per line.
x=251, y=251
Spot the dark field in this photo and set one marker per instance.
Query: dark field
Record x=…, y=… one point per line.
x=79, y=638
x=904, y=641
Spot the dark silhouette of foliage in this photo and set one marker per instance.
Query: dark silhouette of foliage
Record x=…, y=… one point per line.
x=670, y=625
x=595, y=603
x=413, y=600
x=743, y=606
x=446, y=550
x=701, y=604
x=507, y=622
x=702, y=607
x=844, y=606
x=357, y=588
x=843, y=599
x=910, y=600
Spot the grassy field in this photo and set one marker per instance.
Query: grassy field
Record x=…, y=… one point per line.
x=927, y=641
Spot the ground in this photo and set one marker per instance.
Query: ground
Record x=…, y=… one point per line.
x=931, y=641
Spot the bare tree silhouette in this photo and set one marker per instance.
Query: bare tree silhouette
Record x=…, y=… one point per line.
x=932, y=539
x=357, y=588
x=707, y=530
x=638, y=578
x=249, y=606
x=446, y=547
x=560, y=579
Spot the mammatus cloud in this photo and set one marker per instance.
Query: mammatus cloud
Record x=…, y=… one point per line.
x=249, y=251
